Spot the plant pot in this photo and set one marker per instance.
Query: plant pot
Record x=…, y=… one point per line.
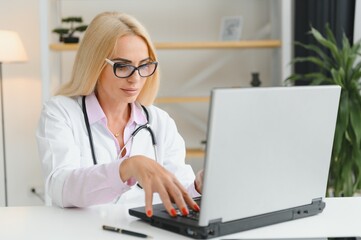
x=71, y=39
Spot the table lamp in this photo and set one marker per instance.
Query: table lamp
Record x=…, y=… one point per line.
x=11, y=51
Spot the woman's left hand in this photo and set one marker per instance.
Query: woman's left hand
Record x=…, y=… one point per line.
x=198, y=183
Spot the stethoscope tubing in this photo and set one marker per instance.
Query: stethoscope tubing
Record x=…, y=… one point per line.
x=134, y=133
x=90, y=135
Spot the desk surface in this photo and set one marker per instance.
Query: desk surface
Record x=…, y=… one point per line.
x=341, y=217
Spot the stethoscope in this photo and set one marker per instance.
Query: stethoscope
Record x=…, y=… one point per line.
x=135, y=132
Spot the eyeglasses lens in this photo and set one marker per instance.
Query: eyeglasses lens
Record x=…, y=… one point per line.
x=145, y=70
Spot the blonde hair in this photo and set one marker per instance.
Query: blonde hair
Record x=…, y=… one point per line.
x=98, y=43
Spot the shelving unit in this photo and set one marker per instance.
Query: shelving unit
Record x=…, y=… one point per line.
x=60, y=47
x=191, y=45
x=194, y=153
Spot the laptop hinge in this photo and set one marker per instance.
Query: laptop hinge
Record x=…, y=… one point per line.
x=218, y=220
x=317, y=200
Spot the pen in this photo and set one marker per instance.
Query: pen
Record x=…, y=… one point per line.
x=119, y=230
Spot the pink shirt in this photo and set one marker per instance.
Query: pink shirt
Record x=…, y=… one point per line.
x=96, y=114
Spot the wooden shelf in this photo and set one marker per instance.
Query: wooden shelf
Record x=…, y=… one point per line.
x=219, y=44
x=194, y=153
x=58, y=47
x=181, y=99
x=190, y=45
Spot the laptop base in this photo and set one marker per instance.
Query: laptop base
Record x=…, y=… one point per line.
x=190, y=228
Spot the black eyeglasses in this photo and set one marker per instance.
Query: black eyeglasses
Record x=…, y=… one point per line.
x=122, y=70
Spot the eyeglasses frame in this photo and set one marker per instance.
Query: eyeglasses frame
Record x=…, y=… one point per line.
x=114, y=65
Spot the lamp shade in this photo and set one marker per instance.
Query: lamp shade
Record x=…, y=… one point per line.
x=11, y=47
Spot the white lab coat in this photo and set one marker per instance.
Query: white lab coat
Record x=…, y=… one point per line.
x=64, y=147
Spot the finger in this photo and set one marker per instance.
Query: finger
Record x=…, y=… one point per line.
x=148, y=201
x=177, y=195
x=187, y=198
x=171, y=199
x=164, y=196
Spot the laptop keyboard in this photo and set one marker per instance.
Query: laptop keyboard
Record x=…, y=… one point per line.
x=192, y=214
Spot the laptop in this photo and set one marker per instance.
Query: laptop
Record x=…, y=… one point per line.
x=267, y=160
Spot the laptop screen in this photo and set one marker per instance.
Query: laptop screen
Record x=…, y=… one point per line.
x=268, y=149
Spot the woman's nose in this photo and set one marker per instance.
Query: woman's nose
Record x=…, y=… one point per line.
x=134, y=77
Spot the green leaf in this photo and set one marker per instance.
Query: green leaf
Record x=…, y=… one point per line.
x=311, y=59
x=358, y=174
x=293, y=78
x=355, y=117
x=356, y=72
x=342, y=122
x=345, y=42
x=326, y=43
x=355, y=76
x=329, y=34
x=318, y=78
x=325, y=58
x=349, y=70
x=357, y=67
x=72, y=19
x=81, y=28
x=61, y=30
x=336, y=76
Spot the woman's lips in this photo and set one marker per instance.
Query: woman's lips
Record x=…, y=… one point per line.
x=130, y=90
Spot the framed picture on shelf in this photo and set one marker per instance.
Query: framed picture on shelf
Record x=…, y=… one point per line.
x=231, y=28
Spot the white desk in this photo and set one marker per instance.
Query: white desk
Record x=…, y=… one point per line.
x=342, y=216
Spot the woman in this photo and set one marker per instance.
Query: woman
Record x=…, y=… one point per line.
x=115, y=72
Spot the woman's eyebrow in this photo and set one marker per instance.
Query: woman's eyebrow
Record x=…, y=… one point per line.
x=122, y=60
x=129, y=61
x=145, y=60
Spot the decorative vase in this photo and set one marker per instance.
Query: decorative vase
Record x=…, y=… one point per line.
x=256, y=82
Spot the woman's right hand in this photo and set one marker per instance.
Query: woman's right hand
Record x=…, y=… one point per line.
x=155, y=178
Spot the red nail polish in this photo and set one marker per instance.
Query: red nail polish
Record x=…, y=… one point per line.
x=185, y=211
x=149, y=213
x=173, y=212
x=196, y=207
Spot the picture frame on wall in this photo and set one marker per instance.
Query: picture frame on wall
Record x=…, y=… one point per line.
x=231, y=28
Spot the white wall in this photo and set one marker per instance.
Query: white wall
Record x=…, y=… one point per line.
x=22, y=86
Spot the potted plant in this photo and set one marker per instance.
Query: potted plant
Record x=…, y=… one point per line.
x=66, y=35
x=339, y=65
